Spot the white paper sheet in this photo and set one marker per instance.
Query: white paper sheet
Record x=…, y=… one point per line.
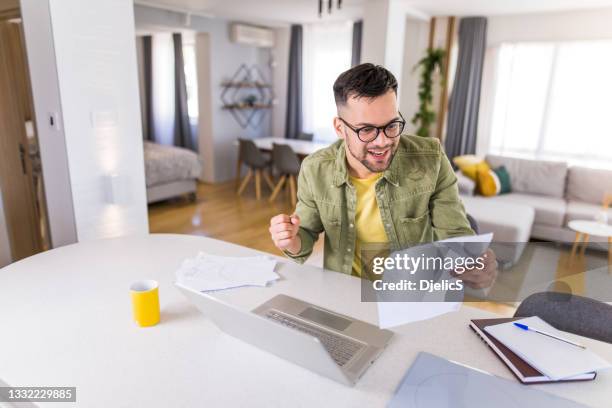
x=208, y=272
x=554, y=358
x=419, y=305
x=392, y=314
x=484, y=238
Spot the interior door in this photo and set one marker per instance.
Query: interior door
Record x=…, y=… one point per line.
x=16, y=183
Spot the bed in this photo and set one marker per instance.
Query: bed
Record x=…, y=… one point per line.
x=170, y=171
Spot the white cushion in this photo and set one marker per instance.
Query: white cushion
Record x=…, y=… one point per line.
x=533, y=176
x=548, y=210
x=588, y=185
x=465, y=184
x=578, y=210
x=492, y=216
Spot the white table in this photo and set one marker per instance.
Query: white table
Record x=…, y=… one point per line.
x=584, y=229
x=65, y=317
x=301, y=147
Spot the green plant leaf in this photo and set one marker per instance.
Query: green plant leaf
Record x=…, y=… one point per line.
x=426, y=116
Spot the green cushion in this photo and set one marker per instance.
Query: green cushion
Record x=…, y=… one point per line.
x=504, y=179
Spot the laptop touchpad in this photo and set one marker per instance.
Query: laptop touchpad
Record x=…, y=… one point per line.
x=324, y=318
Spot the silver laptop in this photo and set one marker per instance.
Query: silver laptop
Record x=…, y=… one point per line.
x=330, y=344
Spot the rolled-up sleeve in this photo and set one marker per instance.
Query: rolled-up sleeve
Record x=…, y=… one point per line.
x=310, y=219
x=445, y=206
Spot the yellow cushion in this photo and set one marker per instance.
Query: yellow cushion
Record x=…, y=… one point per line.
x=466, y=160
x=470, y=167
x=488, y=183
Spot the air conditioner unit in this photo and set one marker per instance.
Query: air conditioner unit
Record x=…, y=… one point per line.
x=252, y=35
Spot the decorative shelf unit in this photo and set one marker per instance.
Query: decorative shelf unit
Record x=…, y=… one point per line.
x=247, y=96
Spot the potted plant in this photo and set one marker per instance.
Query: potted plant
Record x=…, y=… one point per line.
x=431, y=63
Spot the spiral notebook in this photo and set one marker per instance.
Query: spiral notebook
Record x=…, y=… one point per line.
x=524, y=372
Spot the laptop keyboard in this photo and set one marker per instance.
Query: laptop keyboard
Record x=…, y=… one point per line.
x=340, y=348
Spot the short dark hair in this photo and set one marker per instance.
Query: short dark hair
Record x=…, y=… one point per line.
x=364, y=80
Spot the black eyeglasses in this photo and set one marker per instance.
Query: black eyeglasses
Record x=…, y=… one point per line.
x=369, y=133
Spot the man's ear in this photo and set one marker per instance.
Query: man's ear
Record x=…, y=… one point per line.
x=338, y=127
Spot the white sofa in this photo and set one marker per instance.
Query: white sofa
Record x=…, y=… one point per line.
x=555, y=192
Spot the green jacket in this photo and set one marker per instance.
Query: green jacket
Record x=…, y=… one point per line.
x=417, y=197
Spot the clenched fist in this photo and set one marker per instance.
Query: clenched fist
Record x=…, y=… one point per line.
x=284, y=232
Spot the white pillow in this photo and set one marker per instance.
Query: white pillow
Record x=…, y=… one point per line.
x=465, y=184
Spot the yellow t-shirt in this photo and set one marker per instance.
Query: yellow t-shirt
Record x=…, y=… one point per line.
x=368, y=223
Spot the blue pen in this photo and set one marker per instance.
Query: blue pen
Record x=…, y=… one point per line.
x=527, y=328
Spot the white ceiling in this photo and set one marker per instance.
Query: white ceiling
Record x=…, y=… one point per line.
x=301, y=11
x=496, y=7
x=265, y=11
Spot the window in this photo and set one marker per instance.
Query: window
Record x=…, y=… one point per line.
x=163, y=88
x=327, y=53
x=551, y=101
x=191, y=79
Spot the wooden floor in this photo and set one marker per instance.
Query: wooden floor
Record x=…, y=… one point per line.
x=219, y=213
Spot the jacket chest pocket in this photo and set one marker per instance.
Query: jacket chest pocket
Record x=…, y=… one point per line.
x=331, y=218
x=414, y=230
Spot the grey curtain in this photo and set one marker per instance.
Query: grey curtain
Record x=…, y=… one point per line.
x=465, y=97
x=293, y=121
x=148, y=126
x=182, y=126
x=357, y=34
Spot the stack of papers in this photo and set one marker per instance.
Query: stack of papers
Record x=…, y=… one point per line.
x=553, y=358
x=208, y=272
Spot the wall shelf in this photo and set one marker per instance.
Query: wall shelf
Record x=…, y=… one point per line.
x=245, y=85
x=247, y=96
x=238, y=106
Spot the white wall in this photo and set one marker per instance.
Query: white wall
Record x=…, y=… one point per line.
x=384, y=30
x=95, y=59
x=374, y=35
x=415, y=44
x=5, y=245
x=560, y=26
x=226, y=58
x=280, y=70
x=52, y=143
x=141, y=83
x=205, y=116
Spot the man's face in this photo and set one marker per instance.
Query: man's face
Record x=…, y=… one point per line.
x=375, y=156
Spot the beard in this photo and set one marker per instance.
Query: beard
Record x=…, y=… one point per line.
x=372, y=162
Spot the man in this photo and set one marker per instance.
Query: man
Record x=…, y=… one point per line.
x=374, y=185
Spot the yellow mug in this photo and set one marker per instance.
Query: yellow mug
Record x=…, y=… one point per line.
x=145, y=302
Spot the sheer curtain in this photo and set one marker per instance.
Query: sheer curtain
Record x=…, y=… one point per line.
x=551, y=101
x=327, y=53
x=171, y=99
x=191, y=79
x=163, y=88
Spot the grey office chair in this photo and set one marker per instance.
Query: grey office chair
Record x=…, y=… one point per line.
x=305, y=136
x=287, y=163
x=257, y=163
x=571, y=313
